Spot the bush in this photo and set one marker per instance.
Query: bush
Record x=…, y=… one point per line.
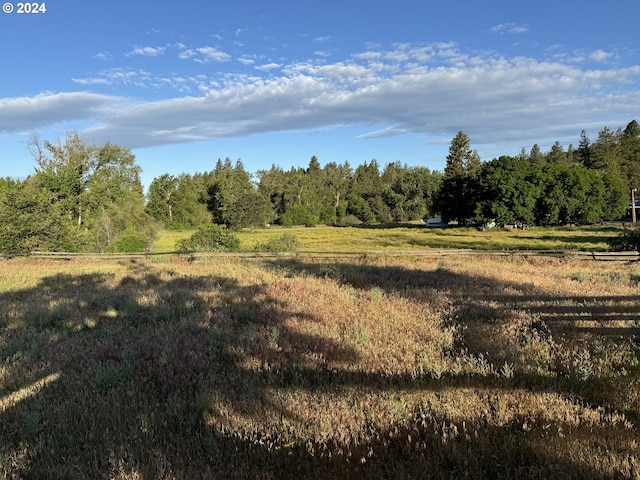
x=287, y=242
x=129, y=242
x=350, y=221
x=210, y=238
x=298, y=215
x=628, y=241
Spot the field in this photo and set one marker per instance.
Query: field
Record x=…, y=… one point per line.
x=408, y=237
x=479, y=366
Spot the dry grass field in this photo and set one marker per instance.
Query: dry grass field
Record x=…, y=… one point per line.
x=461, y=367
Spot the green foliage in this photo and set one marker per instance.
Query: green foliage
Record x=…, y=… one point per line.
x=80, y=198
x=128, y=242
x=298, y=215
x=615, y=196
x=232, y=197
x=509, y=190
x=571, y=194
x=28, y=220
x=210, y=238
x=458, y=195
x=630, y=153
x=287, y=242
x=85, y=197
x=629, y=240
x=161, y=198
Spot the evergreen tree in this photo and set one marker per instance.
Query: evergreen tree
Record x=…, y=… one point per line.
x=233, y=198
x=583, y=153
x=630, y=154
x=604, y=154
x=27, y=222
x=536, y=157
x=456, y=199
x=366, y=200
x=556, y=155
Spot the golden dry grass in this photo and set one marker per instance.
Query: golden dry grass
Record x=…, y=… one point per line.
x=463, y=367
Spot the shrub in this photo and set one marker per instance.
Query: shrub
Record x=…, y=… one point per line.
x=210, y=238
x=298, y=215
x=129, y=242
x=350, y=221
x=287, y=242
x=628, y=241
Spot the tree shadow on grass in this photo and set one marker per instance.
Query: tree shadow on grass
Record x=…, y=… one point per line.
x=471, y=292
x=391, y=226
x=158, y=375
x=480, y=303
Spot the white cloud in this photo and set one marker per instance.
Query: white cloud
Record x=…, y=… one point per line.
x=601, y=56
x=45, y=109
x=385, y=132
x=246, y=61
x=103, y=56
x=434, y=89
x=146, y=51
x=118, y=76
x=204, y=55
x=511, y=28
x=268, y=66
x=144, y=79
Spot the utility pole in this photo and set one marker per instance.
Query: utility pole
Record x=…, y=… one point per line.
x=633, y=206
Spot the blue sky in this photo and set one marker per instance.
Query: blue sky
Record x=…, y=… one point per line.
x=275, y=82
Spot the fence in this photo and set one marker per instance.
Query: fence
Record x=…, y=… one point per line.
x=597, y=256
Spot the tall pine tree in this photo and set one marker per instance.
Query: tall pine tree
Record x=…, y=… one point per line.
x=455, y=200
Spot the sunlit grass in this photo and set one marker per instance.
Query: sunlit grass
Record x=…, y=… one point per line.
x=166, y=240
x=416, y=237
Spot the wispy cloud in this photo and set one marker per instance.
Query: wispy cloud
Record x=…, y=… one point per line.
x=601, y=56
x=385, y=132
x=436, y=89
x=204, y=55
x=117, y=76
x=511, y=28
x=146, y=51
x=246, y=61
x=104, y=56
x=144, y=79
x=268, y=66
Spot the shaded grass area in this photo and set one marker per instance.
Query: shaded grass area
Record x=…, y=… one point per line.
x=417, y=237
x=373, y=368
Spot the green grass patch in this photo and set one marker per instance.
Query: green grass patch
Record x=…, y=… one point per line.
x=165, y=240
x=327, y=239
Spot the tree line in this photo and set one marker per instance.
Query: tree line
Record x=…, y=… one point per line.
x=89, y=198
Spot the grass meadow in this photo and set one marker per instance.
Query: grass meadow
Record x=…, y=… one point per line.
x=482, y=366
x=407, y=237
